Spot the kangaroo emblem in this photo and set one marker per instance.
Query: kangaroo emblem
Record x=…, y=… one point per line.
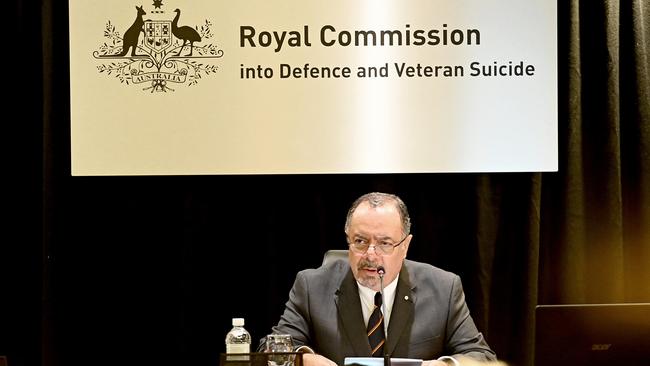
x=132, y=35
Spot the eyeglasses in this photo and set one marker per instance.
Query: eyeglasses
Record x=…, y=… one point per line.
x=384, y=247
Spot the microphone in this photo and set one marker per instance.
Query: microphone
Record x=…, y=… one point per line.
x=381, y=271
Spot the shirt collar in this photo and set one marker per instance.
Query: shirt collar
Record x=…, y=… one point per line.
x=367, y=296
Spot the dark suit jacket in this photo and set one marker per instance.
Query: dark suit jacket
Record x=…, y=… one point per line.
x=429, y=318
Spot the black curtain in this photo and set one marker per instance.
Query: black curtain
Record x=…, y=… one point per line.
x=150, y=270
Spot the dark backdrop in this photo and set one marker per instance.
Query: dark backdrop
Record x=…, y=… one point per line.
x=150, y=270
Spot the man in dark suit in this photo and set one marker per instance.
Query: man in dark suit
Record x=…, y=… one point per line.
x=330, y=308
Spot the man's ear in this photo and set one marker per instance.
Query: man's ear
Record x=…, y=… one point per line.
x=406, y=244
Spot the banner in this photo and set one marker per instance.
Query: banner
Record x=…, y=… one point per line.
x=305, y=87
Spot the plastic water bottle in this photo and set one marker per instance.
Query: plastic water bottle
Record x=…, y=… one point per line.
x=238, y=340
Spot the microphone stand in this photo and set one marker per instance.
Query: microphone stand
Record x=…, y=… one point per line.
x=381, y=271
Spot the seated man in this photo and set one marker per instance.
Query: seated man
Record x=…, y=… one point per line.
x=336, y=311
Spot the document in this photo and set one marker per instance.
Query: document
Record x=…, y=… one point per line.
x=379, y=361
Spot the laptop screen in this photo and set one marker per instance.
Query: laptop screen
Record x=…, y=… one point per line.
x=592, y=334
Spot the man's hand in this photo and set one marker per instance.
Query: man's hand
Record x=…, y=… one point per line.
x=312, y=359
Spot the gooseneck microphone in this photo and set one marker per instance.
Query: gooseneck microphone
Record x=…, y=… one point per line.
x=381, y=271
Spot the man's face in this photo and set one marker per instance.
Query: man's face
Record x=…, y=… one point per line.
x=375, y=226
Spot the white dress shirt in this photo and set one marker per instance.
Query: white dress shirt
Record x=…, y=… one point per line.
x=367, y=297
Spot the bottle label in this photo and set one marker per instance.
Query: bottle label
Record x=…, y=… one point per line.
x=238, y=348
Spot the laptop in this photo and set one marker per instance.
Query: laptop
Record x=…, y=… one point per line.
x=592, y=334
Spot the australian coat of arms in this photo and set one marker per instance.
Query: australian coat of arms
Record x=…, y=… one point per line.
x=157, y=54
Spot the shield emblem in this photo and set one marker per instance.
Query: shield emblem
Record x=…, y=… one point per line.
x=158, y=35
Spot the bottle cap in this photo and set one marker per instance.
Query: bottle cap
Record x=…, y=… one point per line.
x=238, y=322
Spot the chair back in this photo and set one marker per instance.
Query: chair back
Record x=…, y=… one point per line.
x=333, y=255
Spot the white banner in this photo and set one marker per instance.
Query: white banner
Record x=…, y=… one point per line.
x=295, y=86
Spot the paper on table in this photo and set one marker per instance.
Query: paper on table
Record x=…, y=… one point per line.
x=379, y=361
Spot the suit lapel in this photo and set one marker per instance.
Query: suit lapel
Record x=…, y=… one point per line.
x=403, y=308
x=349, y=308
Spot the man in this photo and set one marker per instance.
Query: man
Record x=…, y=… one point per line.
x=330, y=308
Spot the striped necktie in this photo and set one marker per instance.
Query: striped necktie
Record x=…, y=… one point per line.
x=376, y=329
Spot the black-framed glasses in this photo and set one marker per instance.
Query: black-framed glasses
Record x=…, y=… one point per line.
x=384, y=247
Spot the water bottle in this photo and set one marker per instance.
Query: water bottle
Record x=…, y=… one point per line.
x=238, y=340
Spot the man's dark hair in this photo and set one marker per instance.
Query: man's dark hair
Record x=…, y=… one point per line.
x=376, y=199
